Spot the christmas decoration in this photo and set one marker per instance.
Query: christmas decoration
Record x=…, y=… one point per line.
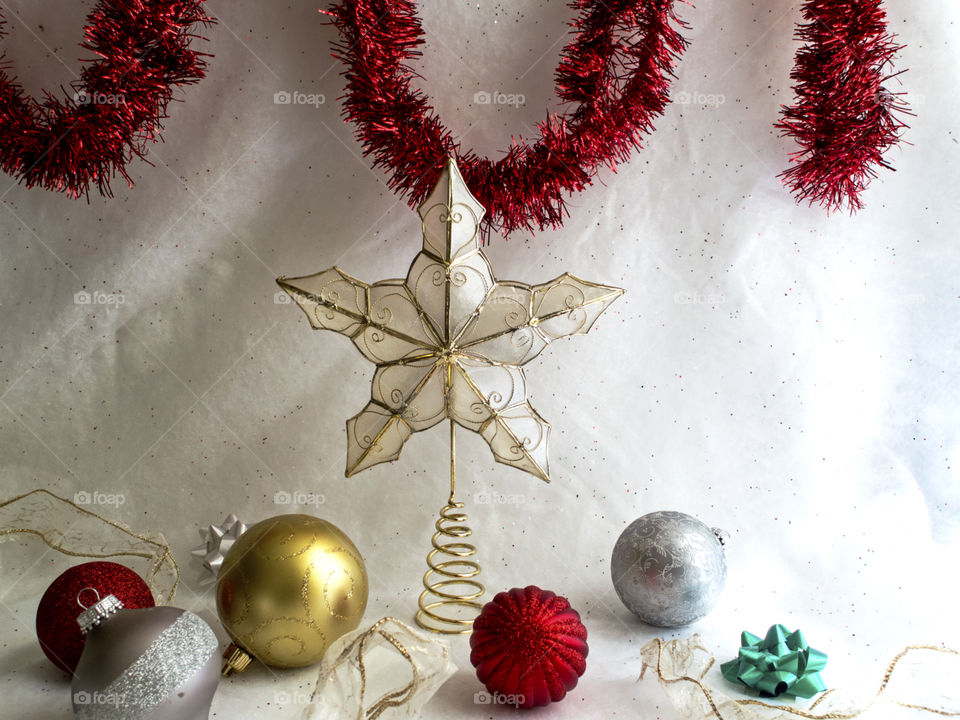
x=449, y=342
x=388, y=661
x=844, y=118
x=923, y=688
x=669, y=568
x=529, y=647
x=287, y=588
x=157, y=663
x=217, y=542
x=779, y=664
x=615, y=72
x=70, y=144
x=60, y=638
x=72, y=530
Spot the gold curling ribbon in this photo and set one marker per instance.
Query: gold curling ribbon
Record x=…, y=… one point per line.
x=397, y=697
x=336, y=694
x=73, y=530
x=685, y=648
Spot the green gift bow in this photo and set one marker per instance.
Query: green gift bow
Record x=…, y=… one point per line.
x=780, y=664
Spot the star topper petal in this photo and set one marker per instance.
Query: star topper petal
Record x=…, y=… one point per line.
x=449, y=340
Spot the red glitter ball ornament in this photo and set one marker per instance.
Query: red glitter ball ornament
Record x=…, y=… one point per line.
x=57, y=629
x=529, y=647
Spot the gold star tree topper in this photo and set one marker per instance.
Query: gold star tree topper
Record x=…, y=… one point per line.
x=449, y=341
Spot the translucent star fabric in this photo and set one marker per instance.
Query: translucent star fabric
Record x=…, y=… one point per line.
x=449, y=340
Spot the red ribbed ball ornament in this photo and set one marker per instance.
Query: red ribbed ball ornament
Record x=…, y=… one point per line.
x=529, y=647
x=57, y=630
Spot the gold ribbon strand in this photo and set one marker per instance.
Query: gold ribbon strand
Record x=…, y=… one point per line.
x=75, y=531
x=835, y=715
x=396, y=698
x=336, y=693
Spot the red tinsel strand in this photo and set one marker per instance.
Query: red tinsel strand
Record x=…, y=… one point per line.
x=844, y=118
x=72, y=144
x=617, y=68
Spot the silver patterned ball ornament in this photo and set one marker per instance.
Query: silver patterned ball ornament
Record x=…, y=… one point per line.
x=669, y=568
x=159, y=663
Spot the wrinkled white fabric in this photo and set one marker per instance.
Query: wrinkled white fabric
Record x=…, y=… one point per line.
x=788, y=376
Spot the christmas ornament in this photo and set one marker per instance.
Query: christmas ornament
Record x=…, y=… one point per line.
x=844, y=118
x=449, y=343
x=143, y=52
x=529, y=647
x=669, y=568
x=60, y=638
x=287, y=588
x=157, y=663
x=388, y=661
x=779, y=664
x=922, y=688
x=217, y=542
x=615, y=72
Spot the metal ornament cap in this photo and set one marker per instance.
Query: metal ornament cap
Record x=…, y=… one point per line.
x=235, y=659
x=98, y=612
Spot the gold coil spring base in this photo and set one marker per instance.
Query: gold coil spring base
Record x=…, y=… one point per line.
x=449, y=601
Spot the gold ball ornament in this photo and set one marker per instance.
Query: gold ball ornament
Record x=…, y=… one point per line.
x=289, y=587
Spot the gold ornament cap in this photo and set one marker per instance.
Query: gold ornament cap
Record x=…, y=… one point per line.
x=235, y=659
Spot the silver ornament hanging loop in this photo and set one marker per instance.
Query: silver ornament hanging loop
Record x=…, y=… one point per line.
x=82, y=591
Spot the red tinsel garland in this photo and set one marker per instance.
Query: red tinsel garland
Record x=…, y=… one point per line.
x=617, y=69
x=844, y=119
x=69, y=144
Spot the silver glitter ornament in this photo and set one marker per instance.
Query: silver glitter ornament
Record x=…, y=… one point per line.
x=159, y=663
x=669, y=568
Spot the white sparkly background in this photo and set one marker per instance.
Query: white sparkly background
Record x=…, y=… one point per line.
x=788, y=376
